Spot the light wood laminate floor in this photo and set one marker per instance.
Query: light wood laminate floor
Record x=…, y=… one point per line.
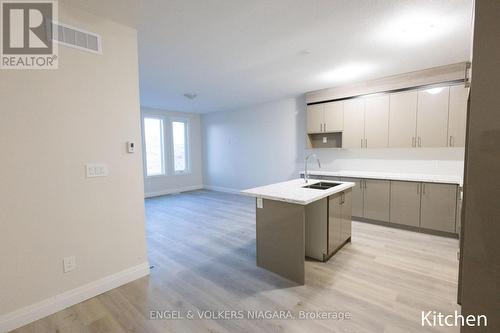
x=202, y=245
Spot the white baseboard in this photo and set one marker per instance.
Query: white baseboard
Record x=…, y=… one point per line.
x=31, y=313
x=222, y=189
x=172, y=190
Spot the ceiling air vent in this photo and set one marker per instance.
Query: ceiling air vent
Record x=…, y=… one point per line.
x=77, y=38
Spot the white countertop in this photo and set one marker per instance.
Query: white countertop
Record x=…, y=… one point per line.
x=292, y=191
x=414, y=177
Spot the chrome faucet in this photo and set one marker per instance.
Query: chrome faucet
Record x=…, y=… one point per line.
x=306, y=176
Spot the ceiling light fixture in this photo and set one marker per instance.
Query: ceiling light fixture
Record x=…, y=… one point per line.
x=415, y=28
x=346, y=72
x=190, y=96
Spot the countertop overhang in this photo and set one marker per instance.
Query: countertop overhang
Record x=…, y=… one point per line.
x=293, y=191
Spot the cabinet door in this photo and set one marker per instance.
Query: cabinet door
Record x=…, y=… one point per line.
x=438, y=207
x=354, y=123
x=377, y=122
x=432, y=117
x=405, y=203
x=334, y=222
x=457, y=116
x=356, y=196
x=403, y=119
x=315, y=118
x=334, y=116
x=345, y=228
x=376, y=199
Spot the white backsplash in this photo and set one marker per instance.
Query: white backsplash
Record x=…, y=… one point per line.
x=435, y=161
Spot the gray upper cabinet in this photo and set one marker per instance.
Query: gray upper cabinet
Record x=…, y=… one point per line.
x=356, y=196
x=438, y=209
x=334, y=116
x=405, y=203
x=432, y=117
x=377, y=122
x=403, y=119
x=376, y=199
x=315, y=118
x=353, y=135
x=457, y=116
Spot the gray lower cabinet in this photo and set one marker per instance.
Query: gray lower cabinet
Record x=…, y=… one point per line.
x=376, y=198
x=438, y=207
x=405, y=203
x=356, y=196
x=334, y=222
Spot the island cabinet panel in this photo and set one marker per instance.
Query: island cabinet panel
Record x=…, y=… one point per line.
x=334, y=116
x=346, y=226
x=316, y=229
x=377, y=122
x=439, y=203
x=356, y=196
x=354, y=123
x=403, y=119
x=315, y=118
x=457, y=117
x=432, y=117
x=376, y=199
x=405, y=203
x=334, y=222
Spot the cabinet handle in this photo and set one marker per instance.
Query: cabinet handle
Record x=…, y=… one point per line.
x=366, y=143
x=361, y=142
x=324, y=127
x=365, y=184
x=418, y=189
x=413, y=141
x=451, y=141
x=419, y=142
x=423, y=189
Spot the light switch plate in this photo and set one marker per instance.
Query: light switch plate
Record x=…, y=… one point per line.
x=260, y=203
x=96, y=170
x=131, y=147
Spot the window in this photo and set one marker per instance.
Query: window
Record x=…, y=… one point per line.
x=180, y=146
x=154, y=148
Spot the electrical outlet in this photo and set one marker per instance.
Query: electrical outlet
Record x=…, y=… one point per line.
x=260, y=203
x=69, y=264
x=325, y=139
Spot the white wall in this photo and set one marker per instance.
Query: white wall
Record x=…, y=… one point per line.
x=170, y=183
x=266, y=143
x=53, y=122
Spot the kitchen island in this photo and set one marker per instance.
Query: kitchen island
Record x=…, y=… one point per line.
x=295, y=219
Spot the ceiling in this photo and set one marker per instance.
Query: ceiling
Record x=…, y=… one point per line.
x=238, y=53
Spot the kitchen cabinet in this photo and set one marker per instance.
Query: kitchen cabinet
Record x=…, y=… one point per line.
x=376, y=122
x=334, y=116
x=334, y=222
x=354, y=123
x=325, y=117
x=315, y=118
x=432, y=117
x=346, y=216
x=403, y=119
x=438, y=207
x=405, y=203
x=376, y=198
x=356, y=196
x=457, y=117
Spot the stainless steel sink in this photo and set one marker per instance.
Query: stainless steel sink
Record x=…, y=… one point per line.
x=321, y=185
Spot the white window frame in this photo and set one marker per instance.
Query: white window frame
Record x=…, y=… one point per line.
x=164, y=137
x=187, y=142
x=168, y=144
